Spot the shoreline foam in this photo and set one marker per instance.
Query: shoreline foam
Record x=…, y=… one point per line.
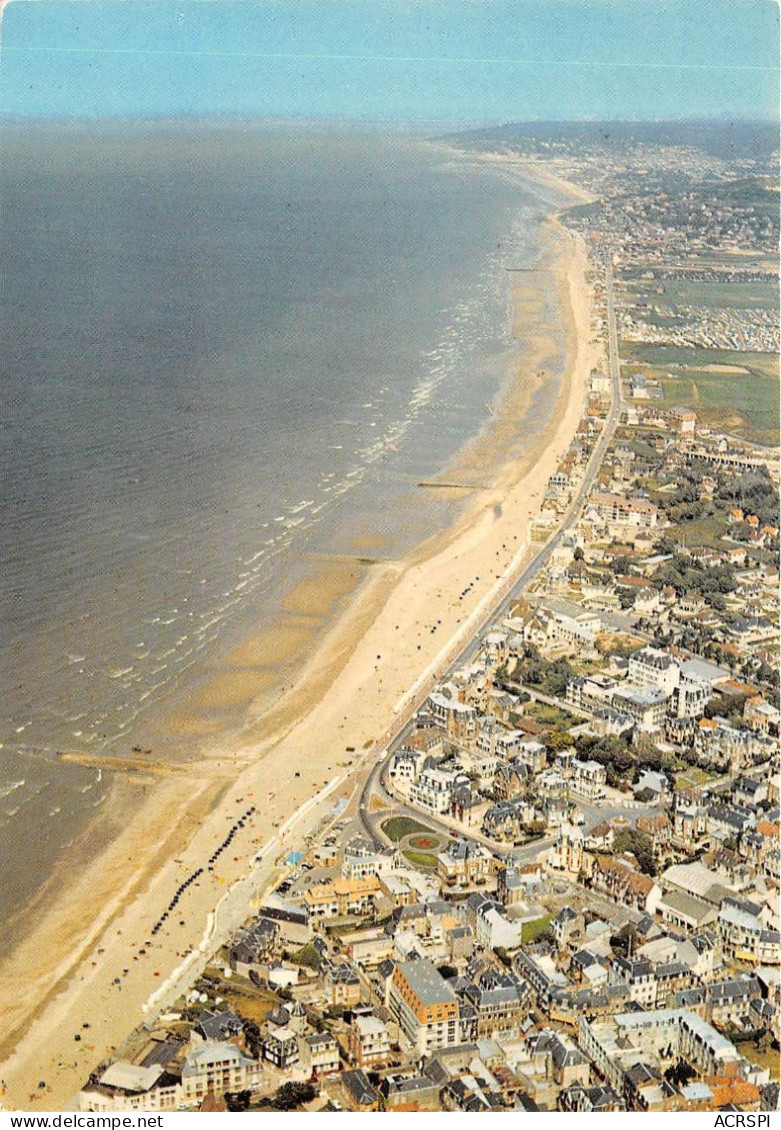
x=345, y=698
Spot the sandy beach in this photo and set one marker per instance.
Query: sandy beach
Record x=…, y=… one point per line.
x=80, y=962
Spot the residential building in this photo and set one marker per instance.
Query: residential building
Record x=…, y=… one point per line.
x=217, y=1067
x=425, y=1006
x=588, y=779
x=280, y=1047
x=368, y=1040
x=433, y=790
x=647, y=706
x=464, y=863
x=652, y=667
x=457, y=719
x=124, y=1086
x=744, y=933
x=320, y=1053
x=342, y=898
x=619, y=1045
x=358, y=1093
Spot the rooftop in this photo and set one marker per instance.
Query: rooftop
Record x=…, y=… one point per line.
x=426, y=982
x=130, y=1077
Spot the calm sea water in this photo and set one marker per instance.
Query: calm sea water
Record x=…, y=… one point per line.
x=220, y=348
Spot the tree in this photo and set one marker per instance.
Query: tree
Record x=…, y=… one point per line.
x=252, y=1036
x=666, y=545
x=535, y=827
x=686, y=492
x=648, y=756
x=531, y=671
x=680, y=1073
x=578, y=554
x=308, y=956
x=624, y=941
x=546, y=935
x=238, y=1100
x=555, y=741
x=501, y=675
x=641, y=847
x=559, y=676
x=293, y=1095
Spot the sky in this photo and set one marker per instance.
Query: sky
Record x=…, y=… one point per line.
x=397, y=60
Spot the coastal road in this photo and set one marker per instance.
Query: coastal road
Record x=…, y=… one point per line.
x=527, y=574
x=572, y=513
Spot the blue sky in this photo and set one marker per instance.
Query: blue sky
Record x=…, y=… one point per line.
x=404, y=60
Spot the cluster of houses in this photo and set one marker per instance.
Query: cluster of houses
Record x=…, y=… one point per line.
x=426, y=999
x=572, y=932
x=479, y=981
x=591, y=919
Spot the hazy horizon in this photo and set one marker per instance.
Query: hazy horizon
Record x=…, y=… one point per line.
x=417, y=125
x=430, y=61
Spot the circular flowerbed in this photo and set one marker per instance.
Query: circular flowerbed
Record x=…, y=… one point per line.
x=424, y=843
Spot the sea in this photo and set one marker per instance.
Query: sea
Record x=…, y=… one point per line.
x=223, y=348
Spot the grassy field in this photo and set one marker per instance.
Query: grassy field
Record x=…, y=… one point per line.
x=421, y=859
x=768, y=1057
x=248, y=1000
x=706, y=532
x=532, y=930
x=400, y=826
x=617, y=641
x=763, y=364
x=547, y=715
x=747, y=405
x=743, y=403
x=642, y=449
x=692, y=777
x=665, y=357
x=682, y=292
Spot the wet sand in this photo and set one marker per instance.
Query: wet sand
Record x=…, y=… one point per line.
x=348, y=679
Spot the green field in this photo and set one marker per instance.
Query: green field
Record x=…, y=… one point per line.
x=743, y=403
x=532, y=930
x=763, y=364
x=665, y=357
x=400, y=826
x=421, y=859
x=746, y=405
x=766, y=1057
x=692, y=778
x=682, y=292
x=706, y=532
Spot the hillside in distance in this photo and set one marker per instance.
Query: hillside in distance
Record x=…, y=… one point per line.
x=727, y=140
